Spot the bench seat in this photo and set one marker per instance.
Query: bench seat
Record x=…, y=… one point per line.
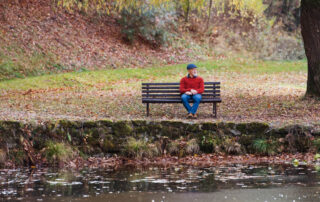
x=178, y=100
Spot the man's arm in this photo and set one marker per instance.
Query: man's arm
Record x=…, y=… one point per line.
x=183, y=88
x=200, y=90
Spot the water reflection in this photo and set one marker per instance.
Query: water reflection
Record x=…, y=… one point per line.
x=231, y=183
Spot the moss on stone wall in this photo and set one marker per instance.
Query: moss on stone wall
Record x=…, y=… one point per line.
x=106, y=136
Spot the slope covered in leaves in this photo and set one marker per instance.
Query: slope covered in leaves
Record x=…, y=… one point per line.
x=38, y=38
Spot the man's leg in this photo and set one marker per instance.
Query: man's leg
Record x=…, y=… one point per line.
x=185, y=102
x=196, y=101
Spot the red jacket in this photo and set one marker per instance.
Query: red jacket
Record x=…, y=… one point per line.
x=188, y=83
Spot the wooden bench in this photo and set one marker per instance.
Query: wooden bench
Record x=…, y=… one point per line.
x=170, y=93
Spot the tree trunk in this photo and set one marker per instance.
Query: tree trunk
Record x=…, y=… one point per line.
x=284, y=9
x=270, y=8
x=209, y=15
x=310, y=29
x=187, y=11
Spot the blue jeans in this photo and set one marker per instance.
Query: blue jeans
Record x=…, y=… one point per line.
x=196, y=101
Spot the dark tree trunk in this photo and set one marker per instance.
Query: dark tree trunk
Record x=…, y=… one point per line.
x=310, y=29
x=187, y=11
x=209, y=17
x=269, y=9
x=285, y=7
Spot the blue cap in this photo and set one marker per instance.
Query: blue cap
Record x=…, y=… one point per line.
x=191, y=66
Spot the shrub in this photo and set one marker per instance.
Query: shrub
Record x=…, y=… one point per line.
x=173, y=148
x=135, y=148
x=316, y=144
x=231, y=146
x=58, y=152
x=3, y=157
x=206, y=144
x=192, y=147
x=265, y=147
x=148, y=23
x=275, y=45
x=140, y=148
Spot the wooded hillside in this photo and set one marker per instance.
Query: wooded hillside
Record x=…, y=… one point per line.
x=39, y=37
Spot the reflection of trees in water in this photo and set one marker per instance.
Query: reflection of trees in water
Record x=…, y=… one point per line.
x=35, y=184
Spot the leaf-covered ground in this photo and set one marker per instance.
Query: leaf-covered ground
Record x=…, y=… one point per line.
x=38, y=38
x=251, y=91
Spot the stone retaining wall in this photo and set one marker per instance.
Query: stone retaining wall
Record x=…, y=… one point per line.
x=105, y=136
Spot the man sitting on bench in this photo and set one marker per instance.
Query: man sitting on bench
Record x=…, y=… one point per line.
x=191, y=87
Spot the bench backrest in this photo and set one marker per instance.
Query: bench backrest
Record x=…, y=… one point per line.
x=171, y=90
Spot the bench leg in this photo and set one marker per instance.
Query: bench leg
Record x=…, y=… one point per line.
x=147, y=109
x=214, y=110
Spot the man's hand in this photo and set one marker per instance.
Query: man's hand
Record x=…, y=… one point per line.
x=194, y=91
x=188, y=93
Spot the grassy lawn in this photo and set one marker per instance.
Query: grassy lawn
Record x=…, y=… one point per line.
x=251, y=91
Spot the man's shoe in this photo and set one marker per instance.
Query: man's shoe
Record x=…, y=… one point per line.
x=189, y=116
x=194, y=116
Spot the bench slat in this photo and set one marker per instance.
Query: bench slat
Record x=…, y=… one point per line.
x=173, y=87
x=178, y=95
x=171, y=91
x=151, y=92
x=176, y=83
x=178, y=100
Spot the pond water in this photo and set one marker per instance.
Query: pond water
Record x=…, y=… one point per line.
x=154, y=184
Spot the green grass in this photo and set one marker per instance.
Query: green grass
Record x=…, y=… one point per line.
x=21, y=65
x=106, y=78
